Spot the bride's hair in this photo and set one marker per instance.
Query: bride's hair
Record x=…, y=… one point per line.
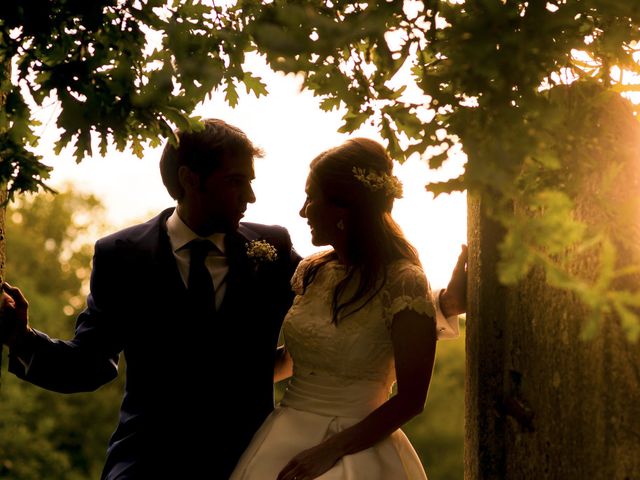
x=374, y=239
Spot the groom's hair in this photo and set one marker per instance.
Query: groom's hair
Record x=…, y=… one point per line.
x=203, y=151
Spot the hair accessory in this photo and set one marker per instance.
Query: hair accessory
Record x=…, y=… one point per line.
x=340, y=225
x=390, y=184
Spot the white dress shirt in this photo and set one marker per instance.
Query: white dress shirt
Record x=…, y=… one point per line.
x=216, y=262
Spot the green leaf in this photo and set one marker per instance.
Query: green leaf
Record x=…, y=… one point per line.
x=436, y=161
x=630, y=321
x=389, y=134
x=231, y=94
x=330, y=103
x=352, y=121
x=517, y=258
x=254, y=84
x=176, y=116
x=591, y=324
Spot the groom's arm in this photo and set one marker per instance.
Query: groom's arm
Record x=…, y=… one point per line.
x=85, y=362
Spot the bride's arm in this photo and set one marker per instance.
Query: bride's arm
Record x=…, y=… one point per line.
x=414, y=343
x=283, y=368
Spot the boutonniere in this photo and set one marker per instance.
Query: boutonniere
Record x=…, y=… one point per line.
x=261, y=251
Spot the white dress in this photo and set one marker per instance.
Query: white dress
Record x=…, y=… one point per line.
x=341, y=374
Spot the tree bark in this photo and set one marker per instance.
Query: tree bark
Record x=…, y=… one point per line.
x=486, y=318
x=3, y=189
x=542, y=403
x=3, y=197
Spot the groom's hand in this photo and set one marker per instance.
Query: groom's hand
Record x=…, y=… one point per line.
x=453, y=300
x=14, y=324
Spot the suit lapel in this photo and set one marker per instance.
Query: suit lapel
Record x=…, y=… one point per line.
x=153, y=242
x=241, y=277
x=164, y=258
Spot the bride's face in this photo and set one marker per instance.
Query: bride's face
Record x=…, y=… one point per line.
x=322, y=216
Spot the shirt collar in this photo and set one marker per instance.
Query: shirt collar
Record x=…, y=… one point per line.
x=180, y=234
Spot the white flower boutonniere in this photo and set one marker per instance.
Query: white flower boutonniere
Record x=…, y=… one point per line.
x=261, y=251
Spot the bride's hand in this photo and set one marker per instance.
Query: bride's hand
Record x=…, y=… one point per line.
x=310, y=464
x=453, y=300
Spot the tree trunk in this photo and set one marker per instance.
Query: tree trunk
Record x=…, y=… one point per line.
x=3, y=197
x=3, y=189
x=486, y=315
x=541, y=403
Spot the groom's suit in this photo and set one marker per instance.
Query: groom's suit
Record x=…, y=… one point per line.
x=197, y=387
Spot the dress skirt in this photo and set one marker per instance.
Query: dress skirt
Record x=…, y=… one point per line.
x=290, y=430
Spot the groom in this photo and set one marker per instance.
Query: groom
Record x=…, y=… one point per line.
x=195, y=307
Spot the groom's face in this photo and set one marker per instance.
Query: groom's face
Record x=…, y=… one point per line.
x=222, y=196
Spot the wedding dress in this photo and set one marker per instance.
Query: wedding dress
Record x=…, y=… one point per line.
x=341, y=374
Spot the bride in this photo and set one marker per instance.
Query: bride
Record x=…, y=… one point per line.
x=363, y=318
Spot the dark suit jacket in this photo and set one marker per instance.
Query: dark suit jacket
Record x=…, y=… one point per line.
x=191, y=382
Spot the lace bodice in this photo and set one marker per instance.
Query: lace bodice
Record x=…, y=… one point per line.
x=359, y=348
x=341, y=374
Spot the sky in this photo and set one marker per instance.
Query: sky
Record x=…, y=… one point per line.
x=290, y=127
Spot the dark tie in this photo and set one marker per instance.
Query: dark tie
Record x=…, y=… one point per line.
x=200, y=284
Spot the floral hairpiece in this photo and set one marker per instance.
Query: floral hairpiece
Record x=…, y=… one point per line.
x=261, y=251
x=390, y=184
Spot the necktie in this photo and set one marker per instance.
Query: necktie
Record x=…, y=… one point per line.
x=200, y=284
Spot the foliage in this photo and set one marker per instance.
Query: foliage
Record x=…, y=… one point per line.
x=490, y=75
x=44, y=434
x=122, y=70
x=434, y=76
x=438, y=433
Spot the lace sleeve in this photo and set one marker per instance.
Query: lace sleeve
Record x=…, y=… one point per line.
x=297, y=280
x=407, y=289
x=298, y=276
